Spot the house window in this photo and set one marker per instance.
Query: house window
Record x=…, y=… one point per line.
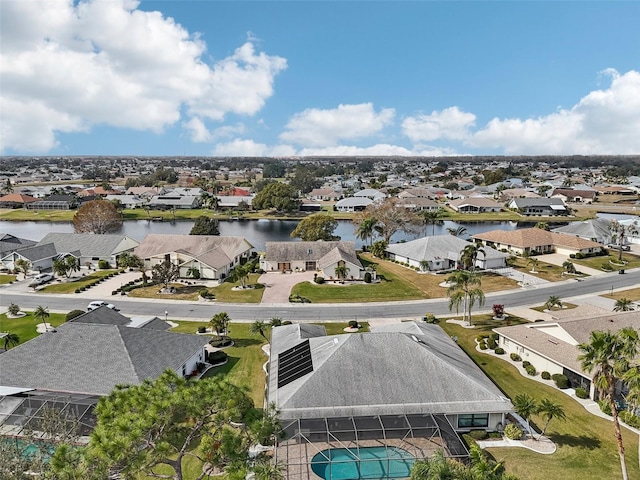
x=473, y=420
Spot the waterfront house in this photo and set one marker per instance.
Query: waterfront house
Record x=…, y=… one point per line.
x=596, y=230
x=539, y=206
x=353, y=204
x=39, y=256
x=16, y=200
x=10, y=243
x=475, y=205
x=536, y=241
x=575, y=196
x=54, y=202
x=170, y=201
x=418, y=204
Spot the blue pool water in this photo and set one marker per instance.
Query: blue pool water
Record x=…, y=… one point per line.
x=376, y=463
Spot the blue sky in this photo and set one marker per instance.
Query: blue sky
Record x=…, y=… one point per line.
x=270, y=78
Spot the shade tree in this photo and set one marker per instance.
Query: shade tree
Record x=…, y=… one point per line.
x=97, y=216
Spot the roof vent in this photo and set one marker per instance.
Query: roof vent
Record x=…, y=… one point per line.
x=415, y=339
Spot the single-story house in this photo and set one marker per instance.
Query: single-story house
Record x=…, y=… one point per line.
x=10, y=243
x=127, y=201
x=371, y=193
x=74, y=364
x=404, y=385
x=16, y=200
x=91, y=248
x=596, y=230
x=323, y=257
x=40, y=257
x=233, y=201
x=475, y=205
x=353, y=204
x=576, y=196
x=539, y=206
x=418, y=204
x=417, y=192
x=145, y=192
x=55, y=202
x=537, y=241
x=441, y=252
x=169, y=201
x=324, y=194
x=552, y=345
x=213, y=256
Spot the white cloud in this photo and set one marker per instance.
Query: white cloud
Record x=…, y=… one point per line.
x=248, y=148
x=450, y=123
x=376, y=150
x=603, y=122
x=197, y=130
x=103, y=62
x=324, y=128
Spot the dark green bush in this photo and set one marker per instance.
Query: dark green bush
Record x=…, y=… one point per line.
x=480, y=338
x=545, y=375
x=531, y=370
x=579, y=255
x=494, y=336
x=513, y=432
x=561, y=382
x=483, y=346
x=74, y=313
x=287, y=322
x=217, y=357
x=103, y=265
x=499, y=351
x=319, y=280
x=515, y=357
x=353, y=324
x=220, y=342
x=367, y=277
x=491, y=343
x=430, y=318
x=581, y=393
x=630, y=419
x=478, y=434
x=525, y=364
x=202, y=330
x=605, y=406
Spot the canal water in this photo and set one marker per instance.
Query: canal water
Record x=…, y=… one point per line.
x=256, y=231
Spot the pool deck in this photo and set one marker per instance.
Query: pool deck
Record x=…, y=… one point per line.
x=297, y=456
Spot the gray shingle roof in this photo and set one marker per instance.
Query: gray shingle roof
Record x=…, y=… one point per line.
x=10, y=243
x=94, y=358
x=308, y=251
x=410, y=370
x=38, y=252
x=596, y=229
x=337, y=254
x=438, y=247
x=89, y=245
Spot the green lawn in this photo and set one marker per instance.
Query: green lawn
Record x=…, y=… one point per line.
x=633, y=261
x=632, y=294
x=586, y=445
x=25, y=327
x=546, y=271
x=336, y=328
x=565, y=306
x=70, y=286
x=4, y=278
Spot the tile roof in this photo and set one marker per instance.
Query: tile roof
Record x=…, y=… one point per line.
x=308, y=251
x=17, y=198
x=534, y=237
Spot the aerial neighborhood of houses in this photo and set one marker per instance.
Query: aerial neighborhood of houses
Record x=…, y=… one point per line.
x=389, y=389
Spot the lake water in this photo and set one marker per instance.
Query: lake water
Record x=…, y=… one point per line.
x=256, y=231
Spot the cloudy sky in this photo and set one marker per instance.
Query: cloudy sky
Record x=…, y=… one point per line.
x=279, y=78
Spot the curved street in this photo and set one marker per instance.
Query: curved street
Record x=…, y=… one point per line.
x=197, y=311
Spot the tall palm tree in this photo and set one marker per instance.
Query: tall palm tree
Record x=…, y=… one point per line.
x=549, y=410
x=569, y=266
x=534, y=263
x=433, y=218
x=632, y=379
x=525, y=406
x=623, y=305
x=258, y=328
x=607, y=357
x=41, y=313
x=11, y=340
x=464, y=288
x=469, y=255
x=366, y=229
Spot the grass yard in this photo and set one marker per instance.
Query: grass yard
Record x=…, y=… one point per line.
x=565, y=306
x=586, y=445
x=633, y=261
x=182, y=292
x=25, y=327
x=632, y=294
x=70, y=286
x=397, y=283
x=6, y=278
x=335, y=328
x=545, y=271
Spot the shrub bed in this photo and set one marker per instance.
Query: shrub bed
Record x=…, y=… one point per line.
x=478, y=434
x=630, y=419
x=513, y=432
x=545, y=375
x=525, y=364
x=499, y=351
x=515, y=357
x=581, y=393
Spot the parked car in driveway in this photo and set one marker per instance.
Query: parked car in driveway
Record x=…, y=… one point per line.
x=626, y=248
x=40, y=279
x=101, y=303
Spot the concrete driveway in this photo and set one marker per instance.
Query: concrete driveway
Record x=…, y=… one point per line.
x=277, y=285
x=559, y=259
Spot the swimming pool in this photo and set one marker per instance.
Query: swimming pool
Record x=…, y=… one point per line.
x=375, y=463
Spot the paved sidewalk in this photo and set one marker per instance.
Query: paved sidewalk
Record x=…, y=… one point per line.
x=523, y=279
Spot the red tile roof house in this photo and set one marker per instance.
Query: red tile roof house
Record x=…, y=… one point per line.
x=16, y=200
x=537, y=241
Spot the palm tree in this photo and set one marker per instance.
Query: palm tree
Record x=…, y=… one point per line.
x=569, y=266
x=267, y=470
x=219, y=322
x=433, y=218
x=464, y=289
x=619, y=234
x=623, y=305
x=11, y=340
x=469, y=255
x=534, y=263
x=378, y=248
x=258, y=328
x=542, y=226
x=632, y=379
x=341, y=271
x=549, y=410
x=525, y=406
x=424, y=265
x=41, y=313
x=458, y=231
x=553, y=301
x=607, y=357
x=366, y=229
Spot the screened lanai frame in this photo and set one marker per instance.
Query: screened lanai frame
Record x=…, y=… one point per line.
x=20, y=415
x=421, y=435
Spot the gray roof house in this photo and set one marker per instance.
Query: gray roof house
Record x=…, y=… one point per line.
x=40, y=256
x=539, y=206
x=399, y=385
x=214, y=256
x=309, y=256
x=441, y=252
x=169, y=200
x=11, y=243
x=91, y=247
x=596, y=230
x=353, y=204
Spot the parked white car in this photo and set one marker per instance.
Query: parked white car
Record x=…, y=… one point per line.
x=101, y=303
x=40, y=279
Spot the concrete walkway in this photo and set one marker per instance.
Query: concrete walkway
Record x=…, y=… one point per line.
x=277, y=285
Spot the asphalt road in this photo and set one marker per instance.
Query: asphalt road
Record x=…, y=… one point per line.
x=184, y=310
